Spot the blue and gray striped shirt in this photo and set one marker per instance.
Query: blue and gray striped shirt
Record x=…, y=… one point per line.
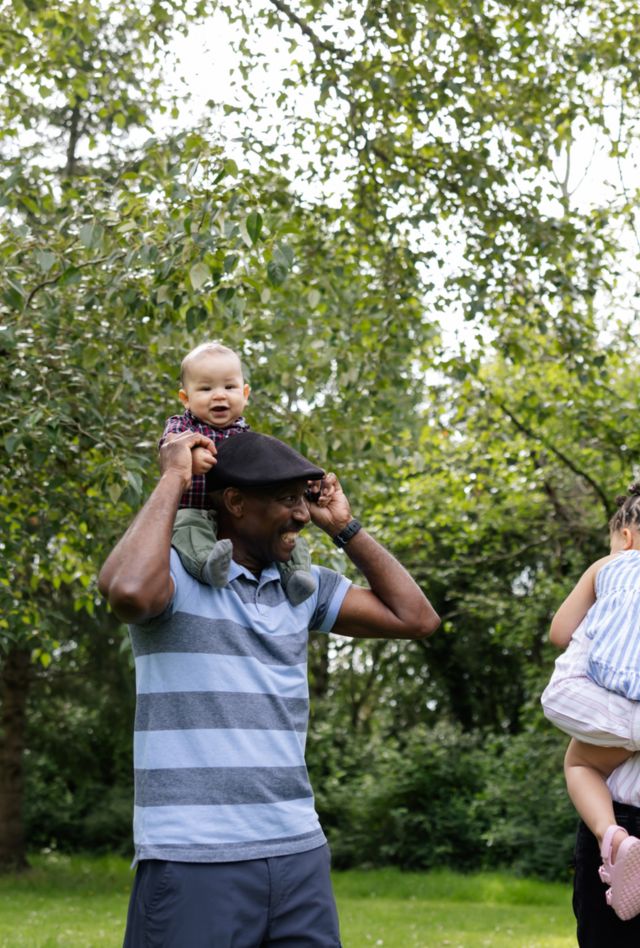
x=221, y=719
x=613, y=624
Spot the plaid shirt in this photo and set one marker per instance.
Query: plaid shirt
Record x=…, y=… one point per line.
x=196, y=496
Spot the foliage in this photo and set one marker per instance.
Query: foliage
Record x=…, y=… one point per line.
x=440, y=797
x=431, y=183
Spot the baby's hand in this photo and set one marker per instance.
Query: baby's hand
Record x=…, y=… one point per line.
x=202, y=460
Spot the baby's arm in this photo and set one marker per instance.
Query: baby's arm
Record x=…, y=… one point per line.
x=202, y=459
x=576, y=605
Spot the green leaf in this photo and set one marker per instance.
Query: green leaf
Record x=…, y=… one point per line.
x=254, y=226
x=45, y=259
x=114, y=491
x=11, y=441
x=199, y=274
x=91, y=234
x=276, y=273
x=135, y=482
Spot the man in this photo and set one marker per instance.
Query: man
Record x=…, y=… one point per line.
x=229, y=848
x=586, y=711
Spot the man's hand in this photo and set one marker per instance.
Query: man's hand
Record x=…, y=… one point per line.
x=329, y=509
x=177, y=454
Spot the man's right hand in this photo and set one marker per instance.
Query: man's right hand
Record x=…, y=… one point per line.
x=177, y=454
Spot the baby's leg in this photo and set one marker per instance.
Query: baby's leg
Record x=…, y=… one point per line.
x=297, y=579
x=586, y=769
x=205, y=557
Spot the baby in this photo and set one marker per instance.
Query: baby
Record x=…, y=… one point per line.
x=214, y=394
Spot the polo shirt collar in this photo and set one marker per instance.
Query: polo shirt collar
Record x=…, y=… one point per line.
x=268, y=574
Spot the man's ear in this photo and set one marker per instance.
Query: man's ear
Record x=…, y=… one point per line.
x=184, y=398
x=233, y=500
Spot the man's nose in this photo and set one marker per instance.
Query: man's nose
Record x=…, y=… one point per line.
x=301, y=511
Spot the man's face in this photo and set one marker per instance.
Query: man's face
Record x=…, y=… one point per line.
x=214, y=389
x=272, y=519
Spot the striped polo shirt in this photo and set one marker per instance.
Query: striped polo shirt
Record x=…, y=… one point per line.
x=613, y=625
x=221, y=719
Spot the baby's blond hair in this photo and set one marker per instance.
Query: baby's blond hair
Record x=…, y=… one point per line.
x=215, y=347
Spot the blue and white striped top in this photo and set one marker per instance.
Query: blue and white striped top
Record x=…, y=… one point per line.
x=221, y=719
x=613, y=625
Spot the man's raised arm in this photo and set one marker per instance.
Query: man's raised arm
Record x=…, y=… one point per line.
x=135, y=578
x=394, y=606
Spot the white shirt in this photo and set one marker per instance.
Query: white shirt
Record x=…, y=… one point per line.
x=590, y=713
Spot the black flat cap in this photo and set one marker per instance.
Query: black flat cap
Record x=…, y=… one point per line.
x=257, y=460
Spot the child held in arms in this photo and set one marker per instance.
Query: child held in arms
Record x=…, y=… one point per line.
x=214, y=394
x=605, y=606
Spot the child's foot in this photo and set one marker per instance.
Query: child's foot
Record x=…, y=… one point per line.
x=215, y=571
x=300, y=585
x=623, y=874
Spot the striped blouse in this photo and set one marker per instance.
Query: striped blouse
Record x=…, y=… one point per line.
x=613, y=626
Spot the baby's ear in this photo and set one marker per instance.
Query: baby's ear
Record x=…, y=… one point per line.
x=246, y=390
x=184, y=398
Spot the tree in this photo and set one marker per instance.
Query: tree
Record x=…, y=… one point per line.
x=110, y=274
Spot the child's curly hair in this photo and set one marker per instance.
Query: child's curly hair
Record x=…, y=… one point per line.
x=628, y=512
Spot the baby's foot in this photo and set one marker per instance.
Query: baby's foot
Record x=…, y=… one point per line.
x=215, y=571
x=622, y=872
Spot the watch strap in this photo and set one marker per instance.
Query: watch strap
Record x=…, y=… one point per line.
x=341, y=539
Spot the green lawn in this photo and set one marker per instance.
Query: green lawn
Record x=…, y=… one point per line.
x=80, y=902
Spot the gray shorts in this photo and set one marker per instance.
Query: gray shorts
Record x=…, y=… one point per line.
x=260, y=903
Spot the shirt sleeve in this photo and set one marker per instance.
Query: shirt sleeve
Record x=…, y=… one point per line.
x=174, y=425
x=586, y=711
x=332, y=588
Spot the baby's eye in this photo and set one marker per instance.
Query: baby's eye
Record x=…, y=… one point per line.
x=231, y=385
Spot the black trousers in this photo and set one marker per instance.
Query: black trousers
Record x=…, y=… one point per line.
x=598, y=925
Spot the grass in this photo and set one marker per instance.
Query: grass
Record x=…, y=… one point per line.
x=81, y=902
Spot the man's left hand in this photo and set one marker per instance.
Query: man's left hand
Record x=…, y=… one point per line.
x=330, y=510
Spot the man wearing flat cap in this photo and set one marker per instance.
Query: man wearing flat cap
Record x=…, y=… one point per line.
x=229, y=849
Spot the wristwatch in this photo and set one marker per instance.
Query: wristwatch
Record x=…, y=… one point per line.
x=341, y=539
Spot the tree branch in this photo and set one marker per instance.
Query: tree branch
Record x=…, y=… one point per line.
x=54, y=280
x=318, y=44
x=558, y=453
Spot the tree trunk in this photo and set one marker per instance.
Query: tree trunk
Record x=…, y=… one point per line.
x=318, y=659
x=14, y=688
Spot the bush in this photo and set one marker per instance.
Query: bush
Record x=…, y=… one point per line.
x=442, y=797
x=411, y=804
x=531, y=822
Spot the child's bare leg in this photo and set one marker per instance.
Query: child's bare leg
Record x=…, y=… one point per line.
x=586, y=769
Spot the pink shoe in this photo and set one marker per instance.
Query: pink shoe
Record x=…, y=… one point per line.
x=623, y=875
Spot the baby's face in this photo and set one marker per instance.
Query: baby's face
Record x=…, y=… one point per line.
x=214, y=389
